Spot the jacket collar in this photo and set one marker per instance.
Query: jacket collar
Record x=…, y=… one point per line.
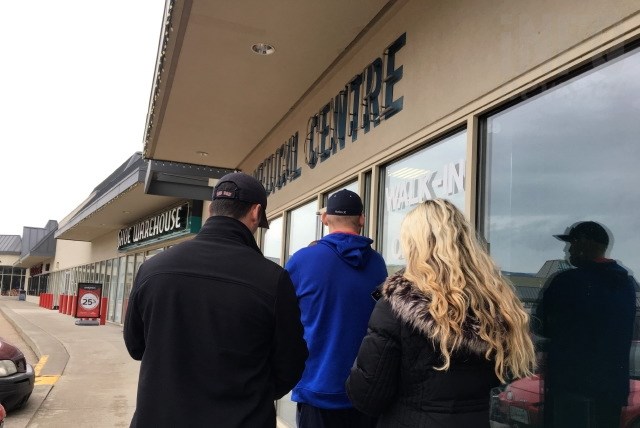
x=411, y=305
x=217, y=227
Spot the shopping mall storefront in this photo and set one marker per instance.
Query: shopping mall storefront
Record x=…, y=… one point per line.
x=525, y=171
x=134, y=243
x=524, y=114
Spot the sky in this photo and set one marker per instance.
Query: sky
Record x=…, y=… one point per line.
x=75, y=81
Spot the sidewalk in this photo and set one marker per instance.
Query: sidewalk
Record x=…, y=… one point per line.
x=88, y=379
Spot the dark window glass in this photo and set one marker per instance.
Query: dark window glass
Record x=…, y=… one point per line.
x=568, y=155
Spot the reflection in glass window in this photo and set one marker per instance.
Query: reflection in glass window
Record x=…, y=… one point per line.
x=437, y=171
x=272, y=242
x=302, y=227
x=567, y=155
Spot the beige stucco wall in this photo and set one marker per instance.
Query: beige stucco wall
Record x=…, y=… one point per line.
x=105, y=247
x=461, y=59
x=8, y=259
x=70, y=254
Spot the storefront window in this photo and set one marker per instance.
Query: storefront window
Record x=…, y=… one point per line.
x=437, y=171
x=74, y=280
x=272, y=242
x=302, y=227
x=82, y=274
x=88, y=277
x=93, y=272
x=122, y=268
x=113, y=288
x=272, y=248
x=5, y=282
x=568, y=155
x=101, y=275
x=107, y=279
x=152, y=253
x=133, y=263
x=11, y=279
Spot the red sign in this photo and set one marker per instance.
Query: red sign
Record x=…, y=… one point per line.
x=35, y=270
x=88, y=300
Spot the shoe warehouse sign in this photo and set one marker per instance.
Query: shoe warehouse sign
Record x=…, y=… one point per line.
x=366, y=100
x=169, y=224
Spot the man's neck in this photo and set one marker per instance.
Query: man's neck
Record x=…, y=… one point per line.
x=349, y=232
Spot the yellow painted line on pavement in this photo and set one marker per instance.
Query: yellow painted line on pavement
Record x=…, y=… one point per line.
x=44, y=379
x=40, y=365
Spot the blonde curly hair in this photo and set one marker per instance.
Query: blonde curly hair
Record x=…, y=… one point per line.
x=447, y=263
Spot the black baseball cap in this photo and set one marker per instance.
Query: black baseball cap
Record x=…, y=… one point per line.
x=248, y=189
x=588, y=230
x=344, y=202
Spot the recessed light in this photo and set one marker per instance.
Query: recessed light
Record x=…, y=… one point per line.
x=202, y=154
x=263, y=49
x=126, y=212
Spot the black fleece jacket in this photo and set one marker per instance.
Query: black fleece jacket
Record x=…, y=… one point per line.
x=217, y=328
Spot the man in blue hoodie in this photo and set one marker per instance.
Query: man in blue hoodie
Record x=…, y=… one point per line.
x=587, y=315
x=334, y=279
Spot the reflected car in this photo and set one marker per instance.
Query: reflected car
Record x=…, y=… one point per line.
x=521, y=403
x=17, y=378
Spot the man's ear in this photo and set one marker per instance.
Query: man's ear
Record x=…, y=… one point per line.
x=256, y=213
x=361, y=220
x=323, y=218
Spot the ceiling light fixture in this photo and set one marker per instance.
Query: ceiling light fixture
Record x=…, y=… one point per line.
x=263, y=49
x=202, y=154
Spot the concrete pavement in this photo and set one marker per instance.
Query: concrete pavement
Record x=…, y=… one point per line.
x=86, y=378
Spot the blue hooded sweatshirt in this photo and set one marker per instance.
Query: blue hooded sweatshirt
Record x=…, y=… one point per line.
x=334, y=280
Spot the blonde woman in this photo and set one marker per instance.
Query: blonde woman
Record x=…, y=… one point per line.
x=447, y=329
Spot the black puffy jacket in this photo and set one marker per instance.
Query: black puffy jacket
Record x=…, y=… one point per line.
x=395, y=376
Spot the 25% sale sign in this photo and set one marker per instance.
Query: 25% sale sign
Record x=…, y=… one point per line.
x=88, y=303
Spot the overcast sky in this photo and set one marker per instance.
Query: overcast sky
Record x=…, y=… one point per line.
x=75, y=81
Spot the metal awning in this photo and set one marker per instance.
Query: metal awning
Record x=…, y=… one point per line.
x=182, y=180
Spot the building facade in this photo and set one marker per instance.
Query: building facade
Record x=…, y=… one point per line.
x=524, y=114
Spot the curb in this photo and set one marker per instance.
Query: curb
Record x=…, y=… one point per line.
x=40, y=341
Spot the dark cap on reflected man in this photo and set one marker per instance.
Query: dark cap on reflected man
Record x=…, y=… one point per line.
x=247, y=189
x=587, y=230
x=344, y=202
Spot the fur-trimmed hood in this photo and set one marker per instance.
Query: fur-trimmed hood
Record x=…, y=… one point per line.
x=411, y=305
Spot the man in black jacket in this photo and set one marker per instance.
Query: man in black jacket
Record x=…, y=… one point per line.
x=587, y=316
x=215, y=324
